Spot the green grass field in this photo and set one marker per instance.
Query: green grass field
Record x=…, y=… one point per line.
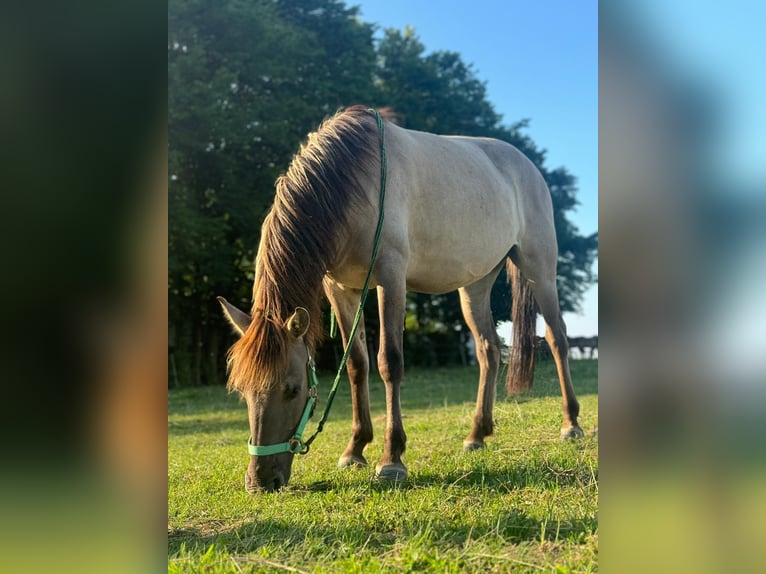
x=526, y=503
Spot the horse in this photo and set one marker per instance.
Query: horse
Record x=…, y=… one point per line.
x=457, y=209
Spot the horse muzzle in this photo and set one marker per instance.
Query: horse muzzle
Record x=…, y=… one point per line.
x=265, y=478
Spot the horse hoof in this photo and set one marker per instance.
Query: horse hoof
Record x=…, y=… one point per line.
x=391, y=473
x=569, y=433
x=472, y=445
x=351, y=461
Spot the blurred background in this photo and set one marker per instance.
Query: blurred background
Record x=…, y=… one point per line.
x=83, y=304
x=681, y=203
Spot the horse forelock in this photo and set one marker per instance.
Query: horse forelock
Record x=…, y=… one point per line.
x=328, y=176
x=256, y=360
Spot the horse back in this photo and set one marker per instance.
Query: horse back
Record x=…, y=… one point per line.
x=454, y=208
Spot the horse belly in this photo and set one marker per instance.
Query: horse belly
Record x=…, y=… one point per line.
x=462, y=212
x=454, y=264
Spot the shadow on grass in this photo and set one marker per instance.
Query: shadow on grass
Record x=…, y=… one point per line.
x=430, y=388
x=213, y=425
x=194, y=410
x=370, y=530
x=541, y=475
x=545, y=474
x=421, y=389
x=513, y=525
x=203, y=400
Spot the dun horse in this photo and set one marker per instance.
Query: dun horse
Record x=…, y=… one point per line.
x=457, y=209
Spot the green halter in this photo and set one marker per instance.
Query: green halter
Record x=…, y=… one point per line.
x=295, y=445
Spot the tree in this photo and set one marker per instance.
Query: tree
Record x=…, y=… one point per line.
x=436, y=93
x=247, y=81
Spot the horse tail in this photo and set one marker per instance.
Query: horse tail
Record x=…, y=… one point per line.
x=521, y=359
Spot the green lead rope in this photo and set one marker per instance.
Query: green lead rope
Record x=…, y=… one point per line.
x=359, y=311
x=333, y=324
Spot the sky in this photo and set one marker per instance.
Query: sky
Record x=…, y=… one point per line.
x=539, y=61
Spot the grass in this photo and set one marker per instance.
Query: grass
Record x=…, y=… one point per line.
x=526, y=503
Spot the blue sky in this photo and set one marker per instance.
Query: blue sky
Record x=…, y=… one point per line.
x=540, y=61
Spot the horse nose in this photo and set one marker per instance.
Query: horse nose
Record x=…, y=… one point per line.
x=251, y=483
x=257, y=482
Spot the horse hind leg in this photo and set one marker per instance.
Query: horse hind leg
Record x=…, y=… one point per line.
x=540, y=271
x=475, y=304
x=555, y=334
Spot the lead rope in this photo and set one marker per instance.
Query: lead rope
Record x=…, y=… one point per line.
x=360, y=309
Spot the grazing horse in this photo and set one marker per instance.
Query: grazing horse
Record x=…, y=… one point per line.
x=457, y=209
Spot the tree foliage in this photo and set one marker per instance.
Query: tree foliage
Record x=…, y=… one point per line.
x=247, y=81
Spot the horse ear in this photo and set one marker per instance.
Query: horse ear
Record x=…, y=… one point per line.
x=238, y=319
x=298, y=323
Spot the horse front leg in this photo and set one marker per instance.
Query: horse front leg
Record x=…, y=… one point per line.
x=344, y=303
x=391, y=306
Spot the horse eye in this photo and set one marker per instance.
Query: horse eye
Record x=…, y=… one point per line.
x=291, y=391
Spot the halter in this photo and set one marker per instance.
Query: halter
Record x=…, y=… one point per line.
x=296, y=444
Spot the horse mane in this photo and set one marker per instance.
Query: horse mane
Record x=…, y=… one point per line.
x=299, y=242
